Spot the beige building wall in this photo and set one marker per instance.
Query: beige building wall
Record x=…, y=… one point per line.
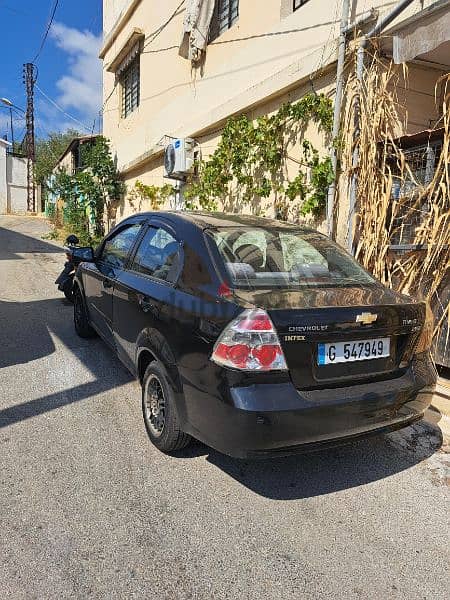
x=151, y=172
x=420, y=93
x=65, y=164
x=269, y=55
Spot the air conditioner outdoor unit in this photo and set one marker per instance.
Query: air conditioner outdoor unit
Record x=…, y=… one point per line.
x=179, y=158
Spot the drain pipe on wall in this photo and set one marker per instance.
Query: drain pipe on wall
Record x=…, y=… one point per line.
x=382, y=24
x=337, y=112
x=345, y=29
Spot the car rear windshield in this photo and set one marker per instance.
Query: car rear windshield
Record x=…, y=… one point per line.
x=260, y=258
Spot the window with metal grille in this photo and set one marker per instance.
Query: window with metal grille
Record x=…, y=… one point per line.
x=298, y=3
x=130, y=82
x=422, y=161
x=226, y=13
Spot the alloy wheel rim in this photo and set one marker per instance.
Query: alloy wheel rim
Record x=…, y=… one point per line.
x=155, y=406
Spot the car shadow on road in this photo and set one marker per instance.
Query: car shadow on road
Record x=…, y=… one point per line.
x=25, y=330
x=31, y=331
x=331, y=470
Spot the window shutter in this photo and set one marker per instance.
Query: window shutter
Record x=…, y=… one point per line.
x=135, y=51
x=226, y=13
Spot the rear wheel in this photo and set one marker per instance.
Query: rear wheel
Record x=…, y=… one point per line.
x=80, y=316
x=159, y=411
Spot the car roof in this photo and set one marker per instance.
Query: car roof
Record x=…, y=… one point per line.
x=206, y=220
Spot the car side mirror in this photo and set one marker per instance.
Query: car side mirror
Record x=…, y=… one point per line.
x=85, y=254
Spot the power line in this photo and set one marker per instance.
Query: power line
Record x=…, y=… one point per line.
x=160, y=29
x=102, y=110
x=150, y=39
x=62, y=110
x=52, y=16
x=14, y=10
x=18, y=116
x=96, y=16
x=46, y=134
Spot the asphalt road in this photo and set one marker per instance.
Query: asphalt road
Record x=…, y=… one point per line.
x=89, y=509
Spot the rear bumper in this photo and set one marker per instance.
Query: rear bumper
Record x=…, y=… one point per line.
x=277, y=419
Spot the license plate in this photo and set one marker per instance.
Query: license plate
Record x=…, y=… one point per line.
x=342, y=352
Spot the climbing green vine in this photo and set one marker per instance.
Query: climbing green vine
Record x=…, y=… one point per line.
x=250, y=161
x=149, y=196
x=87, y=193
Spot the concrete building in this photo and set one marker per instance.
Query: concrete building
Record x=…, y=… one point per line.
x=13, y=181
x=70, y=161
x=258, y=55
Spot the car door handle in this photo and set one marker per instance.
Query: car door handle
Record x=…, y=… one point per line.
x=107, y=284
x=145, y=304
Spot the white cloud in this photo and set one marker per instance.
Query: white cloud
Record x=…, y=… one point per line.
x=81, y=87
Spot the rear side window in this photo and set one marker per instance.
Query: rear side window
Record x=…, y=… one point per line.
x=260, y=258
x=158, y=255
x=116, y=248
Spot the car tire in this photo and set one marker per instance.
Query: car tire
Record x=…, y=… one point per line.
x=68, y=290
x=80, y=316
x=159, y=411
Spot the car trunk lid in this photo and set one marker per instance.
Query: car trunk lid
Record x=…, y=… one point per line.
x=306, y=318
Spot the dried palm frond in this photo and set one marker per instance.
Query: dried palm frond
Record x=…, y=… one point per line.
x=389, y=194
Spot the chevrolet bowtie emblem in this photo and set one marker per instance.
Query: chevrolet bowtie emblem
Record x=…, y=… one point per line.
x=366, y=318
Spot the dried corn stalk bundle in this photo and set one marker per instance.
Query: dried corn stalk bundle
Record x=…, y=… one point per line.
x=389, y=194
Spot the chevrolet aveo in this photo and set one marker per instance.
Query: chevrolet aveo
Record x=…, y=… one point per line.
x=256, y=337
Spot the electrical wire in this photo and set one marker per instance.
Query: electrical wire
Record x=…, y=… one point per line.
x=313, y=76
x=47, y=135
x=102, y=110
x=15, y=11
x=149, y=40
x=52, y=16
x=69, y=116
x=19, y=112
x=160, y=29
x=317, y=72
x=17, y=116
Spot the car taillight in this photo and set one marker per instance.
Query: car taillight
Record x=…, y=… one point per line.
x=250, y=343
x=224, y=291
x=426, y=337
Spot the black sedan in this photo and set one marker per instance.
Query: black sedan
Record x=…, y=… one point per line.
x=254, y=336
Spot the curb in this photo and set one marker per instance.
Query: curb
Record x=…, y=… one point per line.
x=439, y=412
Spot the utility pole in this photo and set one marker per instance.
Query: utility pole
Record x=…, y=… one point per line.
x=29, y=80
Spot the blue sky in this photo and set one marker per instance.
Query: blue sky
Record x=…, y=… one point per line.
x=69, y=71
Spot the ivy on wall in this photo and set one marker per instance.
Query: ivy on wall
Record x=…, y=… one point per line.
x=250, y=162
x=150, y=196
